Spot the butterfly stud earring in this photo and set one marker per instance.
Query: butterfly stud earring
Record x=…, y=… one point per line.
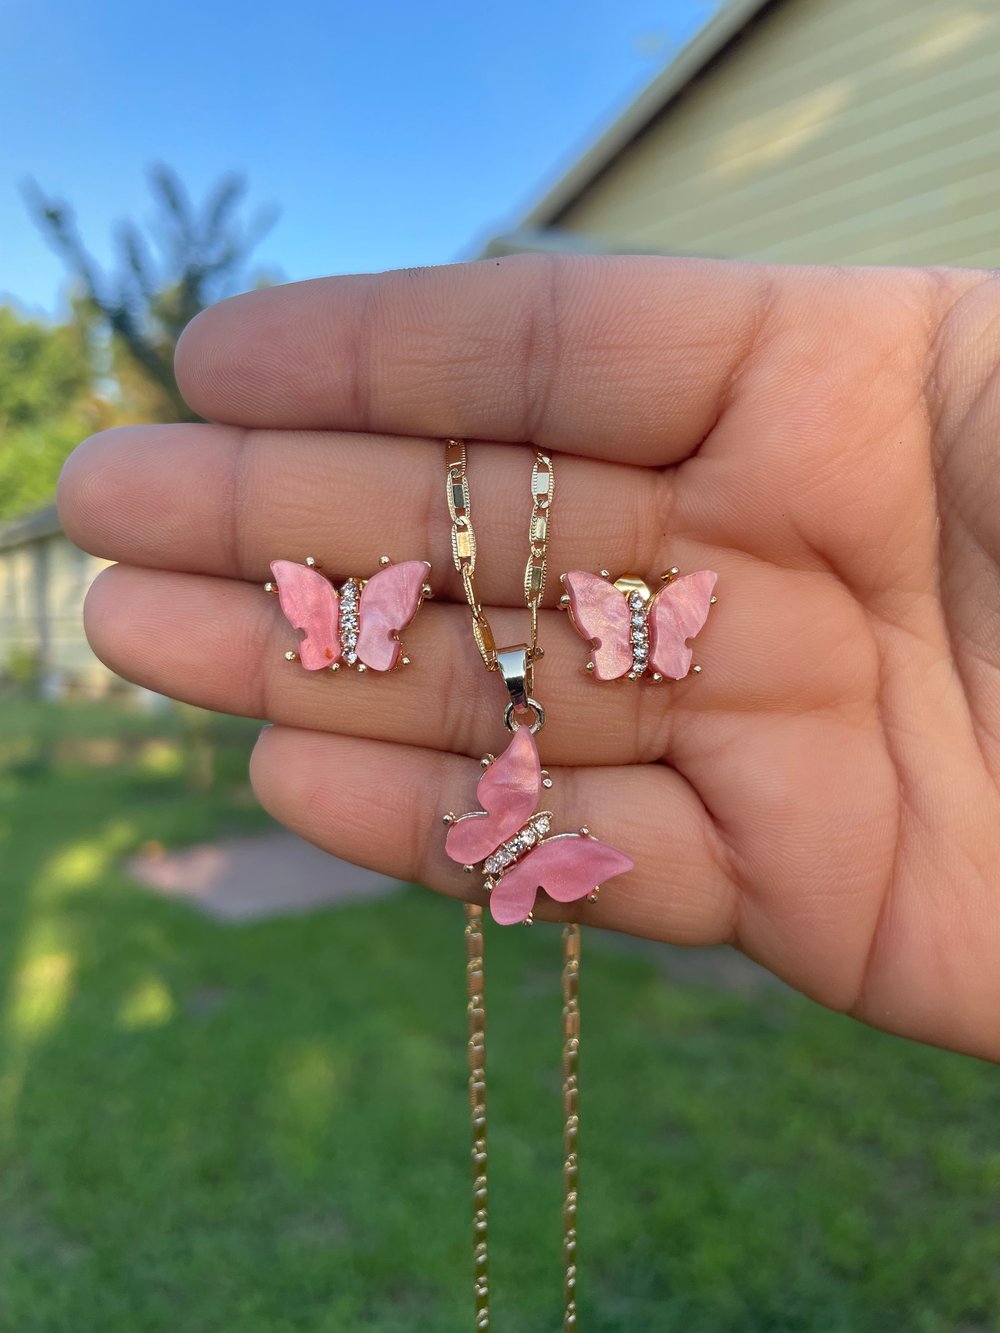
x=356, y=626
x=509, y=839
x=632, y=631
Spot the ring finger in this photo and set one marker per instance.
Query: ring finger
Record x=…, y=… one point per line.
x=220, y=644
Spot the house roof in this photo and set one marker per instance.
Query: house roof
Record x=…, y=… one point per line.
x=707, y=46
x=40, y=523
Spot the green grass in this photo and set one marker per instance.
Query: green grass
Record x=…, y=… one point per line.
x=260, y=1129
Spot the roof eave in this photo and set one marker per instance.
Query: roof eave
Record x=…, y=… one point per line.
x=40, y=523
x=727, y=24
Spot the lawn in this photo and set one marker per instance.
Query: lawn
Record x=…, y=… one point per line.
x=262, y=1128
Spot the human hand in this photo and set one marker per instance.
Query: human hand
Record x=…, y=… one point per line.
x=824, y=796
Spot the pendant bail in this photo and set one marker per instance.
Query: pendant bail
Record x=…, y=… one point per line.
x=516, y=671
x=516, y=667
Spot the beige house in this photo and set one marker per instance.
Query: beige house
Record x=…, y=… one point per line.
x=43, y=579
x=802, y=131
x=807, y=131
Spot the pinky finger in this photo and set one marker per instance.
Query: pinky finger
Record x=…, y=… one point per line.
x=380, y=805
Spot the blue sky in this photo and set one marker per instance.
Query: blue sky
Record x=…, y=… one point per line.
x=387, y=134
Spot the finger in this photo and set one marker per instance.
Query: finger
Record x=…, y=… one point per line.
x=216, y=500
x=381, y=805
x=221, y=644
x=610, y=356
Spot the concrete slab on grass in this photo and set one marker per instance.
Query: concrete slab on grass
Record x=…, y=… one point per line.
x=247, y=879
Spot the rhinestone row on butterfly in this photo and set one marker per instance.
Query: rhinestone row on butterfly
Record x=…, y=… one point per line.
x=638, y=633
x=349, y=621
x=507, y=853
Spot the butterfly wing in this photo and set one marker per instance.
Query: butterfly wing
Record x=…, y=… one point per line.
x=568, y=866
x=600, y=613
x=508, y=792
x=310, y=603
x=389, y=601
x=677, y=613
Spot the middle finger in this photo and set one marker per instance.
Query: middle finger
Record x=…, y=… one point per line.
x=210, y=499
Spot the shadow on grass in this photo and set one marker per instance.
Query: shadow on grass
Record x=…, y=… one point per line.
x=263, y=1128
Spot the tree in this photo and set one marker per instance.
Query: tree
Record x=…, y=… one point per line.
x=48, y=402
x=194, y=257
x=112, y=362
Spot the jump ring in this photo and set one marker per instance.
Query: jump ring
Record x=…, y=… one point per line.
x=512, y=724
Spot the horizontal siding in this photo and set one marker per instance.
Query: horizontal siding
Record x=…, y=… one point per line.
x=42, y=586
x=848, y=131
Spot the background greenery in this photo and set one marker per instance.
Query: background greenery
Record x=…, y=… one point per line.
x=111, y=361
x=262, y=1128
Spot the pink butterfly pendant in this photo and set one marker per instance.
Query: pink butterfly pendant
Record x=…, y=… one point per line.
x=509, y=839
x=633, y=632
x=357, y=626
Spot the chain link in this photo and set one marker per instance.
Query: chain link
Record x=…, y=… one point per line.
x=476, y=996
x=463, y=550
x=571, y=1114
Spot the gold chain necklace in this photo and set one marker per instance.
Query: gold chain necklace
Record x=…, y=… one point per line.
x=464, y=550
x=516, y=665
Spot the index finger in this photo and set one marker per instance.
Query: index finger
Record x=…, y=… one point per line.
x=626, y=357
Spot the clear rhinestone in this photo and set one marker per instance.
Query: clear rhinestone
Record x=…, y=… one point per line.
x=492, y=865
x=638, y=618
x=349, y=622
x=635, y=601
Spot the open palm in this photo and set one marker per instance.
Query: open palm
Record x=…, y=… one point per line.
x=824, y=795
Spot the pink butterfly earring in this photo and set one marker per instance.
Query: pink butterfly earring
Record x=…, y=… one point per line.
x=356, y=626
x=632, y=631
